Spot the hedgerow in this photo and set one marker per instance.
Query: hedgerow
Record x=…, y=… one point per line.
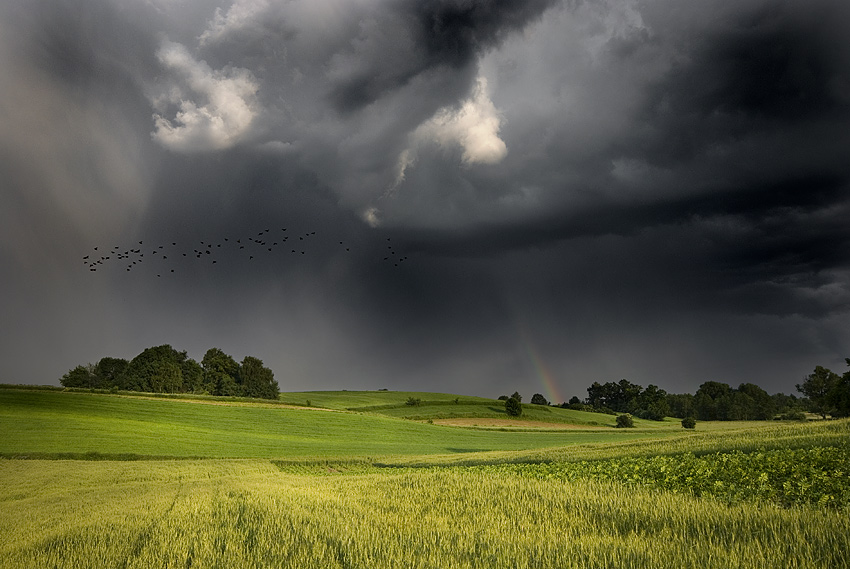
x=788, y=477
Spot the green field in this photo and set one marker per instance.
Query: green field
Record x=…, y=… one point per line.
x=275, y=486
x=46, y=422
x=447, y=406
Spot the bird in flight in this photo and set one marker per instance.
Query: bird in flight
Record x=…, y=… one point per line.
x=172, y=256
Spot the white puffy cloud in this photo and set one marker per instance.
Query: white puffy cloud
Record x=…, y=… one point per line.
x=214, y=108
x=241, y=15
x=372, y=216
x=474, y=126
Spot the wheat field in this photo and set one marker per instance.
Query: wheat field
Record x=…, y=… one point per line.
x=247, y=513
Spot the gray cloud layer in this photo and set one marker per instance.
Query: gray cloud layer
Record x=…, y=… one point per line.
x=592, y=190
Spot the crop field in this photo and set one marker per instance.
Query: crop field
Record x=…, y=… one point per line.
x=437, y=406
x=360, y=400
x=282, y=490
x=35, y=423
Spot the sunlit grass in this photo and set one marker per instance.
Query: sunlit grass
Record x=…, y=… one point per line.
x=347, y=489
x=716, y=437
x=343, y=400
x=41, y=423
x=447, y=406
x=248, y=514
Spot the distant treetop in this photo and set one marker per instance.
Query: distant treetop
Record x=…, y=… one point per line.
x=162, y=369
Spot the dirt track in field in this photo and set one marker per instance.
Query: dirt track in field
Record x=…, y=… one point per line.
x=517, y=423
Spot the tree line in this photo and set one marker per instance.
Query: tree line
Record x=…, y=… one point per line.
x=162, y=369
x=824, y=392
x=827, y=392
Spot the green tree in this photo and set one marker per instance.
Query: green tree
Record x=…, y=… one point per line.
x=596, y=394
x=538, y=399
x=517, y=396
x=817, y=386
x=681, y=405
x=156, y=369
x=167, y=378
x=787, y=405
x=755, y=403
x=80, y=376
x=257, y=380
x=838, y=397
x=513, y=407
x=221, y=373
x=617, y=396
x=689, y=423
x=627, y=392
x=110, y=372
x=193, y=376
x=625, y=421
x=711, y=401
x=650, y=404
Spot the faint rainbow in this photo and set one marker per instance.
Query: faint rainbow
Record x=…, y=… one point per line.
x=550, y=386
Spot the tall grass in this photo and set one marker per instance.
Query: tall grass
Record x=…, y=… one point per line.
x=721, y=438
x=323, y=503
x=249, y=514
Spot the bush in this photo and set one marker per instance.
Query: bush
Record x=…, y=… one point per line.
x=792, y=416
x=625, y=421
x=413, y=401
x=538, y=399
x=503, y=398
x=689, y=423
x=513, y=407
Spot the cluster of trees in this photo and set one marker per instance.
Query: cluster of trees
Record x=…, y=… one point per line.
x=828, y=393
x=717, y=401
x=713, y=401
x=513, y=404
x=162, y=369
x=627, y=397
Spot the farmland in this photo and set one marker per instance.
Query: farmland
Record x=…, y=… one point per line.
x=289, y=487
x=48, y=422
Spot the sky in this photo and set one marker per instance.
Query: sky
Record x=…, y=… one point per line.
x=463, y=196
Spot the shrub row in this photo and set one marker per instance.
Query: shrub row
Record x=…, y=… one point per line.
x=787, y=477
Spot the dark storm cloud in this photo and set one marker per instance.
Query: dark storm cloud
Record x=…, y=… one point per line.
x=623, y=189
x=89, y=46
x=772, y=62
x=424, y=36
x=774, y=74
x=738, y=140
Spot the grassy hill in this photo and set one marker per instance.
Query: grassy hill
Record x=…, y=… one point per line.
x=301, y=487
x=367, y=400
x=445, y=407
x=48, y=422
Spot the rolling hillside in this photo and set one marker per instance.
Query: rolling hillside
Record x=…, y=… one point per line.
x=457, y=410
x=50, y=422
x=279, y=485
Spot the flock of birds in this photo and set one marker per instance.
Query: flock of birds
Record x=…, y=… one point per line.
x=264, y=242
